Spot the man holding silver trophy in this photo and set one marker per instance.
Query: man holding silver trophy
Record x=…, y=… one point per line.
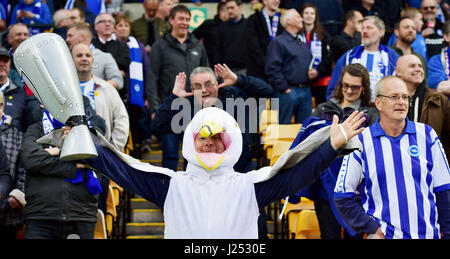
x=61, y=194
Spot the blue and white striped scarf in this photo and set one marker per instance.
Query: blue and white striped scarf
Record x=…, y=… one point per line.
x=69, y=4
x=36, y=10
x=136, y=91
x=93, y=185
x=95, y=6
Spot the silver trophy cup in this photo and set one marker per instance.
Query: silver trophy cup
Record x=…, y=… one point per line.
x=46, y=65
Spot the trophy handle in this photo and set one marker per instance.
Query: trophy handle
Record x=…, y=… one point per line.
x=46, y=75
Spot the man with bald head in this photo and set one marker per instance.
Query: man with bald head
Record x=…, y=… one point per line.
x=427, y=105
x=287, y=70
x=401, y=173
x=107, y=103
x=149, y=28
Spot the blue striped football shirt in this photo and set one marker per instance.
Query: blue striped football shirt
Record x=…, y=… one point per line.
x=398, y=178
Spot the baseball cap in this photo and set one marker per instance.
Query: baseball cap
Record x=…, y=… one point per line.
x=4, y=52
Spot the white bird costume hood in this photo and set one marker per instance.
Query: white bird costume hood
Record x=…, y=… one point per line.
x=207, y=123
x=210, y=199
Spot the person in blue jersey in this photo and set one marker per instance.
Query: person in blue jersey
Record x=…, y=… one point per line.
x=377, y=58
x=439, y=66
x=418, y=45
x=401, y=174
x=31, y=13
x=210, y=199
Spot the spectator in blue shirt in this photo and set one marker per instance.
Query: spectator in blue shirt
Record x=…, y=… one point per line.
x=32, y=13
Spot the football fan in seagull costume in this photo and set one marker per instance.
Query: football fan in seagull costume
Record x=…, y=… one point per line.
x=210, y=199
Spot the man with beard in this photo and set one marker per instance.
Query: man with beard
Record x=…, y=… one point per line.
x=405, y=32
x=377, y=58
x=432, y=28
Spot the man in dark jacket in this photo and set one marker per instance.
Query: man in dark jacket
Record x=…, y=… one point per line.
x=349, y=37
x=60, y=200
x=258, y=36
x=208, y=31
x=178, y=51
x=11, y=133
x=287, y=69
x=231, y=49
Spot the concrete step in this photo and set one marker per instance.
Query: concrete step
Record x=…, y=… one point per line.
x=145, y=229
x=140, y=203
x=146, y=215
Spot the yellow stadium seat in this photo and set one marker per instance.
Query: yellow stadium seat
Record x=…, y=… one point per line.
x=307, y=226
x=291, y=213
x=111, y=212
x=117, y=191
x=278, y=132
x=266, y=118
x=100, y=226
x=279, y=148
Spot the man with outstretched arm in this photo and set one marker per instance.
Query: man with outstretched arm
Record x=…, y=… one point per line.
x=210, y=199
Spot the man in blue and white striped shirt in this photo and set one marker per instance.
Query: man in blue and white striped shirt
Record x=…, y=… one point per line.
x=402, y=174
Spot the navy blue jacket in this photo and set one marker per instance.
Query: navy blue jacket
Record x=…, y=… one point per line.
x=15, y=104
x=287, y=62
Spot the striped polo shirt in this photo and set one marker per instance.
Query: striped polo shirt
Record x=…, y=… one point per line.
x=398, y=178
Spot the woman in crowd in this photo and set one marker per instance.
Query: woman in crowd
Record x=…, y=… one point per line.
x=317, y=40
x=135, y=78
x=352, y=93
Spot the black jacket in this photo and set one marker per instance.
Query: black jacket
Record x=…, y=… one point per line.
x=208, y=31
x=166, y=60
x=49, y=196
x=15, y=105
x=5, y=177
x=257, y=39
x=343, y=42
x=232, y=45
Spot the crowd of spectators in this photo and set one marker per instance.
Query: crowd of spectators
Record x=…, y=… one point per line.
x=291, y=50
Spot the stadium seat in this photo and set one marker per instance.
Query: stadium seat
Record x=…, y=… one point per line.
x=266, y=118
x=111, y=212
x=290, y=214
x=279, y=148
x=307, y=226
x=279, y=132
x=100, y=226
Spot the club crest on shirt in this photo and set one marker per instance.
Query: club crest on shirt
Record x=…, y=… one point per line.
x=413, y=150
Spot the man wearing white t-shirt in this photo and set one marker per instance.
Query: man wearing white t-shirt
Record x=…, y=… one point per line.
x=377, y=58
x=402, y=174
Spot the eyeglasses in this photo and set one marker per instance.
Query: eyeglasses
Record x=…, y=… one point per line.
x=198, y=86
x=345, y=87
x=396, y=98
x=107, y=21
x=429, y=7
